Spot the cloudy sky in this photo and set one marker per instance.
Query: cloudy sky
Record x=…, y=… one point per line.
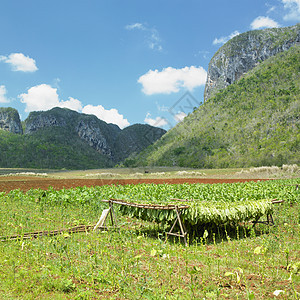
x=126, y=61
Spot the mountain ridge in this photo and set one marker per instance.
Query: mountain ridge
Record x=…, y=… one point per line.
x=245, y=51
x=66, y=129
x=253, y=122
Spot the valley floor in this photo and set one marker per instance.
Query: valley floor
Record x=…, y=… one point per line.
x=26, y=183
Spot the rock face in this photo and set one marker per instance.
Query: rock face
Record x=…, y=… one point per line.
x=107, y=139
x=91, y=133
x=244, y=52
x=10, y=120
x=41, y=121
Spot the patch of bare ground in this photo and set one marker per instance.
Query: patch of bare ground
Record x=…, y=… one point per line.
x=25, y=183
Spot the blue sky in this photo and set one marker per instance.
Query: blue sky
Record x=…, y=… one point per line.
x=126, y=62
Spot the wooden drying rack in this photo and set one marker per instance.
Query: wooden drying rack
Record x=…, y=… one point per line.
x=270, y=220
x=178, y=209
x=110, y=211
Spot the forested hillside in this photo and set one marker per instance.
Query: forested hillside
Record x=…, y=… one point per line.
x=62, y=138
x=253, y=122
x=52, y=148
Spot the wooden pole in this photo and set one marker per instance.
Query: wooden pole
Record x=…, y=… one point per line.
x=112, y=214
x=183, y=232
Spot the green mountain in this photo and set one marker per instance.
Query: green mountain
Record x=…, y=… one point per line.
x=62, y=138
x=133, y=139
x=245, y=51
x=254, y=121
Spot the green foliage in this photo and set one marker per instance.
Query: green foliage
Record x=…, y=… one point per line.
x=133, y=139
x=274, y=37
x=217, y=203
x=200, y=213
x=135, y=262
x=58, y=145
x=213, y=204
x=252, y=122
x=11, y=112
x=52, y=148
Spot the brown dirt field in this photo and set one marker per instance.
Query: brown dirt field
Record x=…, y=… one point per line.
x=27, y=183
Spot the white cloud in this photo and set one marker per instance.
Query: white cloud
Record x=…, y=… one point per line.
x=107, y=115
x=20, y=62
x=222, y=40
x=72, y=103
x=204, y=54
x=44, y=97
x=3, y=98
x=271, y=9
x=293, y=8
x=56, y=82
x=154, y=40
x=263, y=22
x=180, y=116
x=152, y=37
x=157, y=122
x=40, y=97
x=135, y=26
x=170, y=80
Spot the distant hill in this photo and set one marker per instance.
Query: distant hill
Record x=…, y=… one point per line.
x=254, y=121
x=62, y=138
x=133, y=139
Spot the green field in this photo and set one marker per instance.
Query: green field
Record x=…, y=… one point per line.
x=231, y=260
x=265, y=172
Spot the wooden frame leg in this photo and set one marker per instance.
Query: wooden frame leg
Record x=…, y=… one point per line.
x=182, y=228
x=269, y=221
x=182, y=232
x=112, y=214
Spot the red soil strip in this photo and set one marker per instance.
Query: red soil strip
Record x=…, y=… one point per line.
x=27, y=183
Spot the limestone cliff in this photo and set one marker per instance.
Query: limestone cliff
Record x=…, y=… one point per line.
x=37, y=121
x=244, y=52
x=91, y=132
x=107, y=139
x=10, y=120
x=98, y=134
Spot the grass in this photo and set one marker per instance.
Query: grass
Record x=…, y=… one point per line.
x=286, y=171
x=135, y=262
x=177, y=172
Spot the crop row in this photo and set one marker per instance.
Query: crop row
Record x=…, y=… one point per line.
x=218, y=203
x=162, y=193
